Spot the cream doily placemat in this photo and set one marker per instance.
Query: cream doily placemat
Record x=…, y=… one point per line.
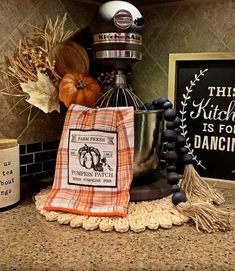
x=141, y=215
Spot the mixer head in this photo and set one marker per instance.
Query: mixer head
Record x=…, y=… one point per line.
x=116, y=30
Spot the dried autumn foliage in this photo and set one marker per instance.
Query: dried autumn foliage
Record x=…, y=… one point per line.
x=31, y=74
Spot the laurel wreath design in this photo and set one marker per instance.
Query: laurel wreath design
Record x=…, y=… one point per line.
x=183, y=125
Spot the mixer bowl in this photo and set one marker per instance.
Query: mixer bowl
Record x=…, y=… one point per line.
x=148, y=128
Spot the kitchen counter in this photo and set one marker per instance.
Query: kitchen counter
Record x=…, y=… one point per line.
x=29, y=242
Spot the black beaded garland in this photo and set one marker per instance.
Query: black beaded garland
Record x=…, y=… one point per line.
x=175, y=188
x=169, y=114
x=170, y=135
x=170, y=146
x=170, y=125
x=187, y=159
x=180, y=140
x=177, y=121
x=178, y=130
x=170, y=168
x=183, y=150
x=149, y=106
x=171, y=157
x=167, y=105
x=172, y=177
x=178, y=197
x=175, y=143
x=158, y=104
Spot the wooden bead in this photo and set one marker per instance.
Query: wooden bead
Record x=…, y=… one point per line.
x=177, y=121
x=167, y=105
x=148, y=106
x=180, y=140
x=170, y=135
x=178, y=130
x=172, y=178
x=169, y=114
x=183, y=150
x=170, y=168
x=175, y=188
x=158, y=103
x=187, y=159
x=171, y=157
x=170, y=146
x=178, y=197
x=170, y=125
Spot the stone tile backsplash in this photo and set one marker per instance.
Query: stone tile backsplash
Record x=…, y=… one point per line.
x=191, y=26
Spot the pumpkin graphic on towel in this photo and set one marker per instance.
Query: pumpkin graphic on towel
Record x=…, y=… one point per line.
x=89, y=157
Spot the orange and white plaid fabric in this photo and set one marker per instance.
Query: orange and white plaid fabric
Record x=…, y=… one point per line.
x=94, y=166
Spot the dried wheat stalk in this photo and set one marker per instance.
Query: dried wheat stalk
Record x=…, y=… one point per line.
x=34, y=52
x=33, y=55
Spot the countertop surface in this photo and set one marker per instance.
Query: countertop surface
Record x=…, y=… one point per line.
x=29, y=242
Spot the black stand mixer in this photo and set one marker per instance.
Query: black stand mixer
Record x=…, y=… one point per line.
x=117, y=45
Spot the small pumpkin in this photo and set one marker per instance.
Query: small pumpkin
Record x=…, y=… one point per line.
x=79, y=88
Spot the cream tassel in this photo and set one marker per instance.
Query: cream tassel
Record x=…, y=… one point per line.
x=194, y=186
x=206, y=216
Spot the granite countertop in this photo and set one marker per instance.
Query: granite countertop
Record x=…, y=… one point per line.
x=29, y=242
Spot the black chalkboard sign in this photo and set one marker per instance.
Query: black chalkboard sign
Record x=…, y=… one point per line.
x=202, y=87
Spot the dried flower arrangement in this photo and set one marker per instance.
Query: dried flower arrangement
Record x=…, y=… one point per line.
x=42, y=59
x=31, y=74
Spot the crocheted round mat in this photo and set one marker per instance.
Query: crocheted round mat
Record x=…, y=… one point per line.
x=141, y=215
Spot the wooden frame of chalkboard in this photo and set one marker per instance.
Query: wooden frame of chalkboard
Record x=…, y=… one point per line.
x=202, y=88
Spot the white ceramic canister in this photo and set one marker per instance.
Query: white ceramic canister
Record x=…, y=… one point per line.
x=9, y=173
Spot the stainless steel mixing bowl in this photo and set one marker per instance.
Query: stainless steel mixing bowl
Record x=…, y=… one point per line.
x=148, y=128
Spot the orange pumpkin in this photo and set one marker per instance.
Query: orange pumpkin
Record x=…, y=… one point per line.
x=79, y=88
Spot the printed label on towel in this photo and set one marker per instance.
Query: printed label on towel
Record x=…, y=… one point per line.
x=92, y=158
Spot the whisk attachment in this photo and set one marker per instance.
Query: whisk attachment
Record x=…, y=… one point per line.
x=120, y=95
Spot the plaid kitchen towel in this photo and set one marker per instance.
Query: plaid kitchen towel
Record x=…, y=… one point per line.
x=94, y=166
